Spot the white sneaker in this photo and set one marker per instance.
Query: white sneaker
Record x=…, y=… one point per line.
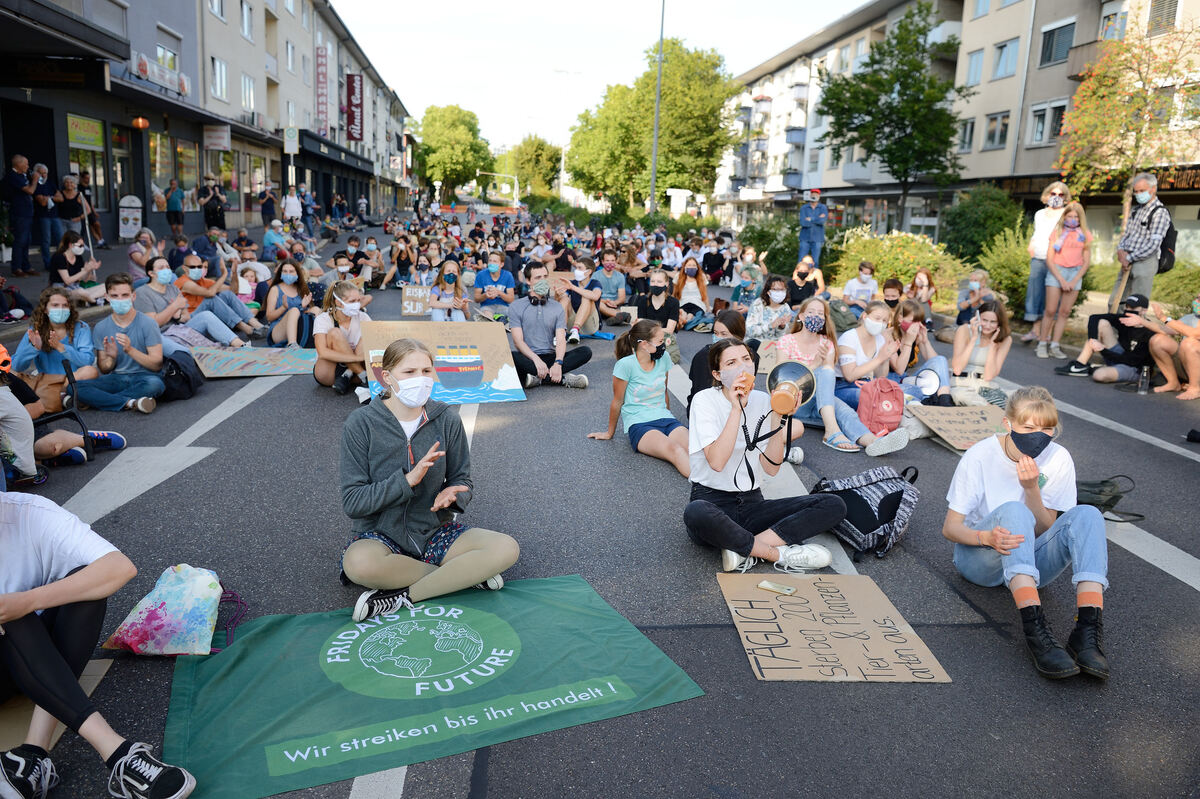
x=573, y=336
x=531, y=381
x=892, y=442
x=1056, y=351
x=575, y=381
x=493, y=583
x=802, y=557
x=144, y=404
x=732, y=561
x=1043, y=350
x=795, y=456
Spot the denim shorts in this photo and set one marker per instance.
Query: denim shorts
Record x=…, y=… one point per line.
x=665, y=426
x=1068, y=273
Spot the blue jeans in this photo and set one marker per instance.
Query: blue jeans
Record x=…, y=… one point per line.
x=1035, y=292
x=1076, y=539
x=208, y=324
x=847, y=417
x=847, y=392
x=937, y=363
x=50, y=232
x=22, y=231
x=446, y=315
x=812, y=248
x=110, y=392
x=227, y=308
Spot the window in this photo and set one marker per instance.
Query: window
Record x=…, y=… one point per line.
x=224, y=165
x=966, y=135
x=981, y=7
x=995, y=137
x=974, y=67
x=835, y=159
x=290, y=50
x=1112, y=26
x=247, y=92
x=247, y=20
x=1006, y=59
x=110, y=16
x=1045, y=122
x=166, y=57
x=304, y=70
x=173, y=158
x=1004, y=3
x=1056, y=43
x=290, y=5
x=217, y=7
x=1162, y=16
x=814, y=159
x=304, y=13
x=844, y=58
x=220, y=80
x=291, y=113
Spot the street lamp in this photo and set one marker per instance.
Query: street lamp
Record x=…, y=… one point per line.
x=516, y=183
x=657, y=103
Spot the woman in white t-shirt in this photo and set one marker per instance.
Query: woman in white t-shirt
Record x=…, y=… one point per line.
x=337, y=336
x=56, y=576
x=727, y=510
x=864, y=352
x=1013, y=520
x=1055, y=197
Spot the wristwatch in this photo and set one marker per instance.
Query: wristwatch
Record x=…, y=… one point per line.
x=558, y=361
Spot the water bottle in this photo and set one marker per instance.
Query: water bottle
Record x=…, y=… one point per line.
x=1144, y=380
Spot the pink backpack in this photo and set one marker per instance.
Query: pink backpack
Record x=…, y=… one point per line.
x=880, y=405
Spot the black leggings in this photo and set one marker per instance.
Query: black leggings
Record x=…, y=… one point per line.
x=572, y=360
x=43, y=656
x=730, y=520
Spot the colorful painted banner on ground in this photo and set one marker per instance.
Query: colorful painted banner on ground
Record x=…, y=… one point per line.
x=299, y=701
x=253, y=361
x=472, y=359
x=834, y=628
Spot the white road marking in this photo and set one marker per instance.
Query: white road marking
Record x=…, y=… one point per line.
x=1171, y=559
x=783, y=485
x=234, y=403
x=380, y=785
x=468, y=414
x=1108, y=424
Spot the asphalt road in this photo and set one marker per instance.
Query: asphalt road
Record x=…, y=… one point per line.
x=263, y=511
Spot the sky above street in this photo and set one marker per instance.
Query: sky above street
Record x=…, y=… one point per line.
x=534, y=66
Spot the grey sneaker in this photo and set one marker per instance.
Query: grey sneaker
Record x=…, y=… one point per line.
x=575, y=381
x=802, y=558
x=530, y=381
x=1043, y=349
x=732, y=561
x=795, y=456
x=145, y=404
x=1056, y=351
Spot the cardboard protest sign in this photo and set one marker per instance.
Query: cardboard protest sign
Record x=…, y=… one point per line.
x=960, y=427
x=16, y=712
x=768, y=357
x=415, y=301
x=835, y=628
x=472, y=359
x=632, y=311
x=253, y=361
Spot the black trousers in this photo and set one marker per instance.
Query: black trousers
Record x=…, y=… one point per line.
x=730, y=520
x=572, y=360
x=43, y=656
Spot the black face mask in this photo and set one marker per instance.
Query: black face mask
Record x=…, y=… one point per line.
x=892, y=303
x=656, y=290
x=658, y=352
x=1031, y=444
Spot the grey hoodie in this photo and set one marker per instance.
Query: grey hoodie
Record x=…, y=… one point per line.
x=376, y=456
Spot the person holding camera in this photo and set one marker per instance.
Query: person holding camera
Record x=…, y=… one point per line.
x=727, y=510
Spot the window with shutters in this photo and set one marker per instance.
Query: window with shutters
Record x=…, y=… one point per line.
x=1056, y=43
x=1162, y=16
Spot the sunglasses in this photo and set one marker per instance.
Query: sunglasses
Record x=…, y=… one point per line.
x=1056, y=194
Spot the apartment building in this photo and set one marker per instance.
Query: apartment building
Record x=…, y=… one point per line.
x=1022, y=58
x=139, y=92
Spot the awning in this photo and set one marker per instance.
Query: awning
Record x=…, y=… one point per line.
x=312, y=144
x=42, y=28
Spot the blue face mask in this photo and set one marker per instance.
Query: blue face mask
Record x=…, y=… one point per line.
x=1142, y=197
x=973, y=285
x=351, y=250
x=450, y=277
x=121, y=307
x=494, y=268
x=371, y=248
x=289, y=278
x=814, y=324
x=164, y=276
x=58, y=315
x=196, y=274
x=716, y=338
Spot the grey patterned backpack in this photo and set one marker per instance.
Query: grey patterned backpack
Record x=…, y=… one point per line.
x=879, y=504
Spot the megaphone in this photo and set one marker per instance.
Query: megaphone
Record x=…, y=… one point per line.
x=790, y=384
x=927, y=380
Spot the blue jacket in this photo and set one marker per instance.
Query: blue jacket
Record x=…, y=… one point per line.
x=79, y=351
x=812, y=222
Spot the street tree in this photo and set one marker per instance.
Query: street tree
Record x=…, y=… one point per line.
x=897, y=107
x=1134, y=111
x=536, y=162
x=605, y=153
x=451, y=147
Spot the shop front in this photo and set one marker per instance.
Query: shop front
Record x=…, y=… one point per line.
x=328, y=169
x=242, y=167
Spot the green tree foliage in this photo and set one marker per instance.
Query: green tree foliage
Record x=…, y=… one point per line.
x=611, y=144
x=536, y=162
x=976, y=218
x=451, y=148
x=1006, y=258
x=897, y=107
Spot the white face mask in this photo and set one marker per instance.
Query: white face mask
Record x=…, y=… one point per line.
x=350, y=309
x=78, y=248
x=413, y=392
x=777, y=296
x=874, y=326
x=580, y=274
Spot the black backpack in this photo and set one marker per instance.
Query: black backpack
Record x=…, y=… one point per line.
x=1166, y=252
x=181, y=376
x=879, y=504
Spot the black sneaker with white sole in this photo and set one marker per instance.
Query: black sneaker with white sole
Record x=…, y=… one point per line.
x=26, y=773
x=1073, y=369
x=380, y=601
x=494, y=583
x=141, y=775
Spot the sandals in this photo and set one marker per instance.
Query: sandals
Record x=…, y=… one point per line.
x=837, y=440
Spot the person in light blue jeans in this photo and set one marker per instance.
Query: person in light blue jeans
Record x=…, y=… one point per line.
x=1014, y=521
x=129, y=356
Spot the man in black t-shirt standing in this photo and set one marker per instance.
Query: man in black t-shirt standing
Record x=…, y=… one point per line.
x=19, y=186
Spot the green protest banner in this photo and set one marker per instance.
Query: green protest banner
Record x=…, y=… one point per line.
x=299, y=701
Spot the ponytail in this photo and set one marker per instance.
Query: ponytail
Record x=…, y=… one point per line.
x=642, y=330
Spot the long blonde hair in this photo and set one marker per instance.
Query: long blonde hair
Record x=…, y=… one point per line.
x=830, y=331
x=341, y=290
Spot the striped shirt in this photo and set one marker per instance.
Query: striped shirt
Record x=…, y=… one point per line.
x=1143, y=235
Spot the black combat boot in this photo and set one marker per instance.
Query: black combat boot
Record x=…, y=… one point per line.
x=1049, y=657
x=1085, y=641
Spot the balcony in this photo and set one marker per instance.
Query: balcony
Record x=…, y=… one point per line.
x=1082, y=56
x=794, y=135
x=856, y=174
x=759, y=145
x=800, y=93
x=793, y=179
x=943, y=31
x=762, y=105
x=272, y=67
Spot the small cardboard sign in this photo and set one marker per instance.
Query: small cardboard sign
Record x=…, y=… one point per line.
x=835, y=628
x=472, y=359
x=16, y=712
x=768, y=357
x=415, y=301
x=960, y=426
x=253, y=361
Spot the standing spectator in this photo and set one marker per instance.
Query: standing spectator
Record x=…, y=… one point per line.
x=1067, y=261
x=362, y=207
x=212, y=199
x=72, y=207
x=266, y=200
x=174, y=196
x=129, y=358
x=19, y=187
x=1055, y=197
x=45, y=213
x=309, y=203
x=813, y=216
x=1138, y=249
x=293, y=209
x=93, y=219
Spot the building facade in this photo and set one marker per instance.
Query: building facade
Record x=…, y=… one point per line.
x=137, y=92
